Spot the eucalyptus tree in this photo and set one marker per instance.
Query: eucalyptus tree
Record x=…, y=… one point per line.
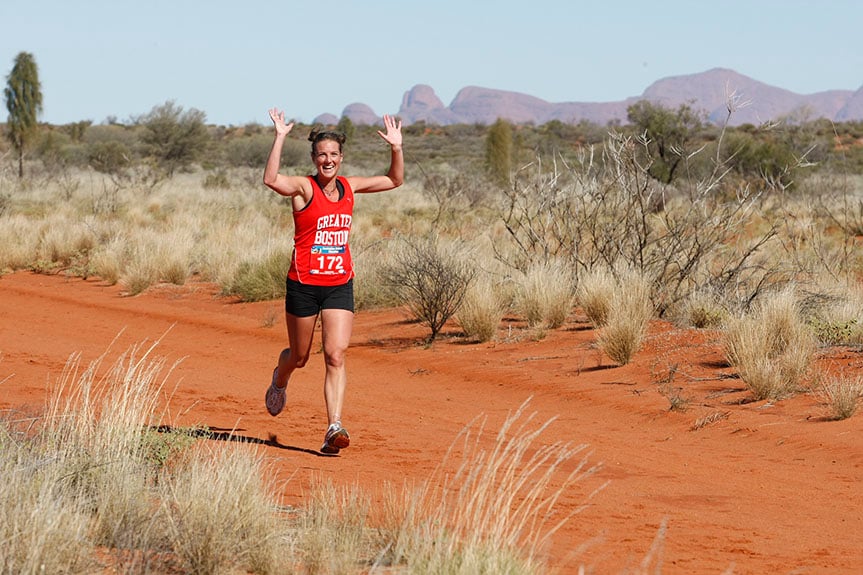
x=173, y=137
x=23, y=95
x=669, y=135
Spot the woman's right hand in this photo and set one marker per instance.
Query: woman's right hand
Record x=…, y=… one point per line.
x=278, y=118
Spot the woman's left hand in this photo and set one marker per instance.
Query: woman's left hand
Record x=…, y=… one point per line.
x=393, y=135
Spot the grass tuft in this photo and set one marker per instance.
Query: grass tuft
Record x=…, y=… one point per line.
x=842, y=395
x=772, y=348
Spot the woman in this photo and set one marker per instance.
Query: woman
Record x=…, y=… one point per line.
x=320, y=279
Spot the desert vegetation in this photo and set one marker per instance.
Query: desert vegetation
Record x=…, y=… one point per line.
x=103, y=482
x=751, y=232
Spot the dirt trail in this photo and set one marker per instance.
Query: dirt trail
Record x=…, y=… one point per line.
x=766, y=488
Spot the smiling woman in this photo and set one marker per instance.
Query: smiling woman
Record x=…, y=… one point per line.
x=320, y=277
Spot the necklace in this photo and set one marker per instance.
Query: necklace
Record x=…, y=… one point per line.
x=329, y=192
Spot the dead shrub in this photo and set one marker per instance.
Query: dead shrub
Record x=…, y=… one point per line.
x=431, y=278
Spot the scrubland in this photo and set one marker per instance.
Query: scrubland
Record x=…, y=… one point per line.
x=768, y=259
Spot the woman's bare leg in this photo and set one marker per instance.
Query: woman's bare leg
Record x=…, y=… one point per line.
x=336, y=328
x=301, y=331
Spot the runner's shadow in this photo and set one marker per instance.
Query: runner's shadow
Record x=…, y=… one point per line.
x=222, y=434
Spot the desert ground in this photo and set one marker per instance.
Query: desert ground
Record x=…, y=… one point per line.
x=725, y=485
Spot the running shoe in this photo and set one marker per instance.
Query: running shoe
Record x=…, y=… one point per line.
x=336, y=439
x=275, y=396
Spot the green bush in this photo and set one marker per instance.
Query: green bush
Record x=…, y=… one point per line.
x=261, y=280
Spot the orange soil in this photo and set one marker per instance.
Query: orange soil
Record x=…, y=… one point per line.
x=765, y=488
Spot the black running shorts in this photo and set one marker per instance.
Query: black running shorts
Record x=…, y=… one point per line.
x=303, y=300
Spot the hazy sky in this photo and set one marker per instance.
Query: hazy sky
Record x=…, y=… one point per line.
x=235, y=59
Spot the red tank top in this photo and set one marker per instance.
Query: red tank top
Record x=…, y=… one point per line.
x=322, y=255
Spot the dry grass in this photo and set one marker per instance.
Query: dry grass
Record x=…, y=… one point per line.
x=104, y=482
x=482, y=309
x=702, y=310
x=840, y=320
x=594, y=294
x=334, y=532
x=219, y=511
x=100, y=477
x=495, y=512
x=545, y=294
x=42, y=528
x=841, y=395
x=772, y=348
x=629, y=314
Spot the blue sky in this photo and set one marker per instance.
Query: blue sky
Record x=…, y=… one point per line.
x=235, y=59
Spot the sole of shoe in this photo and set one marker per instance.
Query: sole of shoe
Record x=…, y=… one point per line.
x=340, y=439
x=336, y=442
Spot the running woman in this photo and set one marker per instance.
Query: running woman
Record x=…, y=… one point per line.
x=320, y=279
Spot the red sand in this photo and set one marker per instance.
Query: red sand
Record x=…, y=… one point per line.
x=767, y=488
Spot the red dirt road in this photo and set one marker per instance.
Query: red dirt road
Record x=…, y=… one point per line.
x=766, y=488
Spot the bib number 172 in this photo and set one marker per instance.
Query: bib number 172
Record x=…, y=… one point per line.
x=328, y=260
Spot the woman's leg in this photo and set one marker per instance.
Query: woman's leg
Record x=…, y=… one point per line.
x=301, y=331
x=336, y=327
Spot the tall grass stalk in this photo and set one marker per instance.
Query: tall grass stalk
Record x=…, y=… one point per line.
x=43, y=529
x=86, y=476
x=333, y=531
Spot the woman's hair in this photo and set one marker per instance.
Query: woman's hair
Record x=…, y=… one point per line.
x=320, y=135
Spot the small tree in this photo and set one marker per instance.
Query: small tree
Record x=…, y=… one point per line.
x=498, y=151
x=173, y=137
x=668, y=132
x=23, y=96
x=346, y=127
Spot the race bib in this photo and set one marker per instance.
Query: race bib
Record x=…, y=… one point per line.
x=327, y=260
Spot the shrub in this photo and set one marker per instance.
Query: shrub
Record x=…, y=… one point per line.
x=262, y=280
x=371, y=289
x=174, y=138
x=111, y=157
x=605, y=207
x=431, y=279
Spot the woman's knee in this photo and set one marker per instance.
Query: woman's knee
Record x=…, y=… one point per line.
x=335, y=357
x=292, y=357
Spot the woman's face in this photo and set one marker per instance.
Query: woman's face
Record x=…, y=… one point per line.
x=327, y=158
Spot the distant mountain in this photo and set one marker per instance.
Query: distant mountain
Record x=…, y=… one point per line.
x=710, y=92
